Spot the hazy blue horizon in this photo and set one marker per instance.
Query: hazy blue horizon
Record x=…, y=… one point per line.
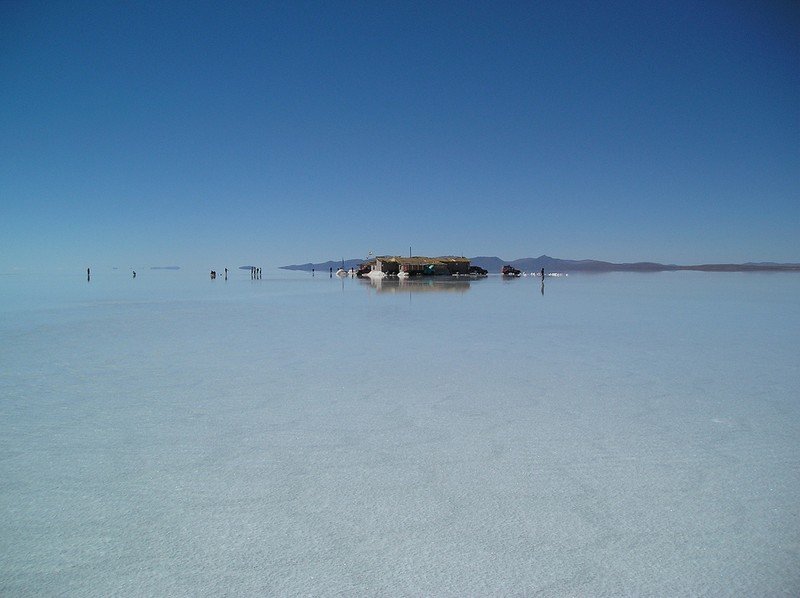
x=104, y=268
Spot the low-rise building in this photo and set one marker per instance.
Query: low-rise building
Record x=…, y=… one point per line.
x=392, y=265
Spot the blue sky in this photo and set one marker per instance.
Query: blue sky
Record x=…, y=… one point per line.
x=209, y=134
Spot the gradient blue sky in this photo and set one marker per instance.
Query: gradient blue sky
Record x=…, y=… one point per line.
x=210, y=134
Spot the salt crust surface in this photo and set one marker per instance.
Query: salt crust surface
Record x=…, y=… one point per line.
x=622, y=434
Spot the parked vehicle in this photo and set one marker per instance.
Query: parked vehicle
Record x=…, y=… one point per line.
x=510, y=271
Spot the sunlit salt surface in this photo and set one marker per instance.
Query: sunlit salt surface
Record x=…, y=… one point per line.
x=620, y=434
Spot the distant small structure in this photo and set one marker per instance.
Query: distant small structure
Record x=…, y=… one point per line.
x=394, y=265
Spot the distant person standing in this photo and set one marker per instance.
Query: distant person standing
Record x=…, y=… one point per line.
x=88, y=274
x=226, y=274
x=542, y=273
x=134, y=273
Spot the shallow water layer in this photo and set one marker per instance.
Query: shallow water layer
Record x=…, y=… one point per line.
x=619, y=434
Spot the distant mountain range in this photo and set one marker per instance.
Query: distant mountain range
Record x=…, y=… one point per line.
x=551, y=264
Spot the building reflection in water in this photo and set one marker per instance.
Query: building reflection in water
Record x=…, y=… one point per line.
x=427, y=284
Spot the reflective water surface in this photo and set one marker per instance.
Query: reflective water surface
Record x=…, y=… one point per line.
x=618, y=434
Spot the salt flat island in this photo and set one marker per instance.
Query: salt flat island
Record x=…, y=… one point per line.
x=551, y=264
x=419, y=266
x=623, y=434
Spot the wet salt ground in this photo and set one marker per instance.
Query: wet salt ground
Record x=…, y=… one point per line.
x=622, y=434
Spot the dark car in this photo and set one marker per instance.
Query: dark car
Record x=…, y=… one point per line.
x=478, y=271
x=510, y=271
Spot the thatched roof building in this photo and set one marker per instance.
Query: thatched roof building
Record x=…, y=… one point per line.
x=421, y=265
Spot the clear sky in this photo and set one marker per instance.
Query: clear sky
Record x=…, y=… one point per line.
x=203, y=134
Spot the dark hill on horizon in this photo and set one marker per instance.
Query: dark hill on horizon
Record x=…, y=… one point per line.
x=550, y=264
